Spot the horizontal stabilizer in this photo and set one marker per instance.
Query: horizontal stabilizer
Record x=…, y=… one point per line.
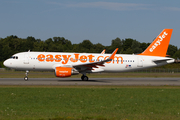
x=162, y=60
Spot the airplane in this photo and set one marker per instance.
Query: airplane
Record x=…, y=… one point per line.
x=67, y=64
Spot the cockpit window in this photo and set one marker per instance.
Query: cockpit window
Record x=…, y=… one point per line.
x=14, y=57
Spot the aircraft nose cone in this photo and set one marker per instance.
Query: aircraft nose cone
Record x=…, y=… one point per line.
x=6, y=63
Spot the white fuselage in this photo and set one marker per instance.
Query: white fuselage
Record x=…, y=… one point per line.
x=50, y=60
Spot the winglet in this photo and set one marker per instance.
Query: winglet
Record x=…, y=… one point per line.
x=160, y=45
x=103, y=51
x=113, y=54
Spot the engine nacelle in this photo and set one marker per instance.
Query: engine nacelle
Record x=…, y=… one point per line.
x=65, y=71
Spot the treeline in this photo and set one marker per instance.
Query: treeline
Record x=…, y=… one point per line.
x=12, y=44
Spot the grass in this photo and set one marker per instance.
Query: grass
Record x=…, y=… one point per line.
x=92, y=102
x=38, y=74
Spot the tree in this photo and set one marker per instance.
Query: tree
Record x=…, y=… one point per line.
x=143, y=46
x=38, y=46
x=30, y=43
x=128, y=51
x=127, y=43
x=86, y=46
x=171, y=50
x=67, y=45
x=75, y=48
x=177, y=54
x=59, y=40
x=47, y=44
x=116, y=43
x=98, y=48
x=136, y=47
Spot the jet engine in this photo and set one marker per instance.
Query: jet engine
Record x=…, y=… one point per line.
x=65, y=71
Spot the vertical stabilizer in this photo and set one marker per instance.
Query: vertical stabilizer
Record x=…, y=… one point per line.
x=160, y=45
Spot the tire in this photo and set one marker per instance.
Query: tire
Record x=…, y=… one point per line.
x=82, y=77
x=26, y=78
x=85, y=78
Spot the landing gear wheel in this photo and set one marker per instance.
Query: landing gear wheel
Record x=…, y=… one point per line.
x=84, y=78
x=26, y=78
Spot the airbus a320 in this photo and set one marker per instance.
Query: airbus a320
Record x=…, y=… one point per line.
x=67, y=64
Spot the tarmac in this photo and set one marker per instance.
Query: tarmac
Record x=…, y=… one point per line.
x=92, y=81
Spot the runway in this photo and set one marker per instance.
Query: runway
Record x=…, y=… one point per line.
x=92, y=81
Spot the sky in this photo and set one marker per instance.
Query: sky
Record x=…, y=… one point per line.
x=97, y=21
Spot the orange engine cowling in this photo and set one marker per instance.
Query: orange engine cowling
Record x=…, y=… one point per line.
x=65, y=71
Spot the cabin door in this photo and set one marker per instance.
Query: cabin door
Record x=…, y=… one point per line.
x=140, y=62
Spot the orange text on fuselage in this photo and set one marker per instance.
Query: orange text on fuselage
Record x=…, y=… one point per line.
x=77, y=57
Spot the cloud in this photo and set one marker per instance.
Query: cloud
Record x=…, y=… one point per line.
x=110, y=6
x=105, y=5
x=116, y=6
x=172, y=8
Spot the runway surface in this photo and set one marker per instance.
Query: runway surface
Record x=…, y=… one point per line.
x=92, y=81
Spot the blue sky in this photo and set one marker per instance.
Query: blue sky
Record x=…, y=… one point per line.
x=98, y=21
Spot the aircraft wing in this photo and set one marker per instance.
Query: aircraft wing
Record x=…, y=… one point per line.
x=91, y=65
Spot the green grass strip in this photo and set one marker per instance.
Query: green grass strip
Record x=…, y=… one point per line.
x=81, y=103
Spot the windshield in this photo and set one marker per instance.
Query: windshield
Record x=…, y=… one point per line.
x=14, y=57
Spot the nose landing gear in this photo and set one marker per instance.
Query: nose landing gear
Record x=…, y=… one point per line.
x=26, y=77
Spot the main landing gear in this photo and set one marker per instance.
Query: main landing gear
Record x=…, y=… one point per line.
x=84, y=77
x=26, y=77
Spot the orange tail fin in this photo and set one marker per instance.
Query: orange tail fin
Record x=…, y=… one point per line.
x=160, y=45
